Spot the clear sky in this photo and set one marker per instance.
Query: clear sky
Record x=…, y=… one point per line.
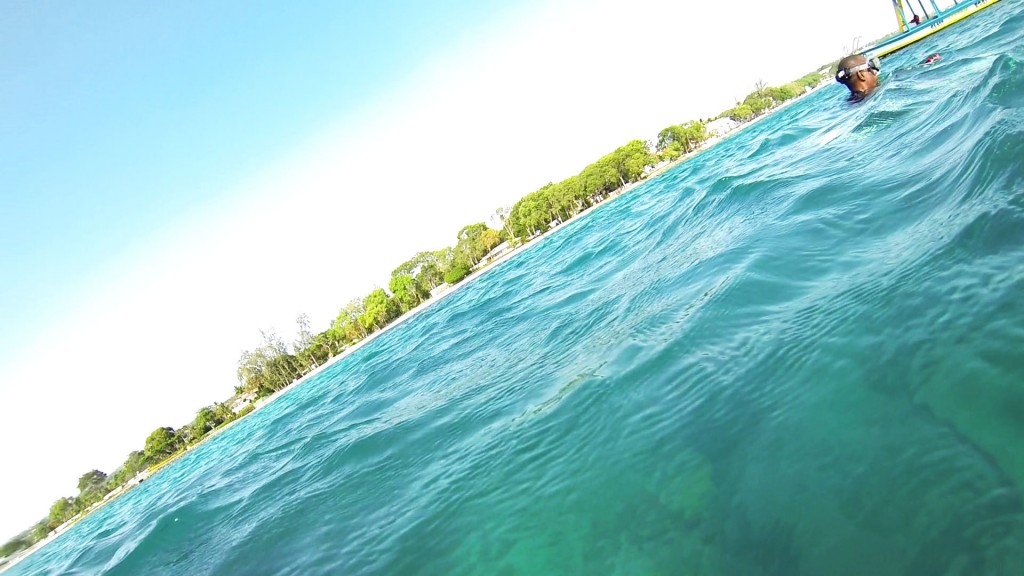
x=176, y=176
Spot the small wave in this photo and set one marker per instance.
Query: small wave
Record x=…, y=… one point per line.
x=798, y=352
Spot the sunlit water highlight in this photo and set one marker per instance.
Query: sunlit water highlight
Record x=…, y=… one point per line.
x=801, y=352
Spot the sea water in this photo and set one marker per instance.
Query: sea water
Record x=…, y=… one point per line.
x=800, y=352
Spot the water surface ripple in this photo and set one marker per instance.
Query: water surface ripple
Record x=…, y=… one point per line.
x=801, y=352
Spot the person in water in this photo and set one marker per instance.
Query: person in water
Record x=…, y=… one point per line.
x=859, y=74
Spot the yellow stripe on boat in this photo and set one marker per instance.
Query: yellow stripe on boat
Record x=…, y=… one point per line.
x=927, y=28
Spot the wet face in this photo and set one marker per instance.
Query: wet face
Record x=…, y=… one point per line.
x=861, y=82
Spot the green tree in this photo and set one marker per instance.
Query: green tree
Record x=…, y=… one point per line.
x=209, y=418
x=456, y=274
x=629, y=161
x=161, y=443
x=758, y=104
x=253, y=374
x=60, y=512
x=39, y=531
x=531, y=215
x=333, y=340
x=426, y=267
x=305, y=335
x=407, y=292
x=669, y=136
x=502, y=213
x=489, y=240
x=811, y=80
x=323, y=347
x=347, y=323
x=741, y=113
x=91, y=480
x=222, y=413
x=431, y=274
x=135, y=463
x=268, y=368
x=205, y=421
x=19, y=543
x=92, y=487
x=671, y=151
x=599, y=179
x=570, y=196
x=681, y=139
x=783, y=93
x=695, y=133
x=380, y=310
x=474, y=242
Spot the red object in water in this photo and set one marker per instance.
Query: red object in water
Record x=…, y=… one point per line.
x=933, y=58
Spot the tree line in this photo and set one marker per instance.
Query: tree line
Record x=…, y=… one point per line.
x=95, y=485
x=275, y=364
x=764, y=98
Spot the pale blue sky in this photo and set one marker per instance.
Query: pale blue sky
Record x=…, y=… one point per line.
x=119, y=117
x=176, y=176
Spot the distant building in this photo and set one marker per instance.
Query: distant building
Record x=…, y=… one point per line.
x=498, y=251
x=241, y=401
x=721, y=127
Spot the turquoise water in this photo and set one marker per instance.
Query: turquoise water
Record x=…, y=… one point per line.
x=801, y=352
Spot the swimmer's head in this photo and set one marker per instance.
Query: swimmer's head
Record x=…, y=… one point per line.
x=858, y=73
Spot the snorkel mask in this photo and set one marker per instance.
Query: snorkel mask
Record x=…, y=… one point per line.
x=844, y=74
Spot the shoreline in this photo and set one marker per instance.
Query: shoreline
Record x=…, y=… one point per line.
x=522, y=248
x=264, y=402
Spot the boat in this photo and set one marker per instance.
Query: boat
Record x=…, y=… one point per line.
x=921, y=23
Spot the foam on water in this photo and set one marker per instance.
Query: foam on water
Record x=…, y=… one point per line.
x=801, y=352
